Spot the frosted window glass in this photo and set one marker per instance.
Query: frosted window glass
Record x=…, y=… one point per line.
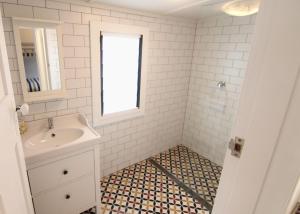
x=120, y=72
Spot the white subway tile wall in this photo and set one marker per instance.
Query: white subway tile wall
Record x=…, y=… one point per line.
x=221, y=51
x=170, y=58
x=183, y=72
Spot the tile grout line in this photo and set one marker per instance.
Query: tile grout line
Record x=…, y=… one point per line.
x=181, y=184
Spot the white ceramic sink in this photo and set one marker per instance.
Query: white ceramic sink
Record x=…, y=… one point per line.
x=53, y=138
x=69, y=132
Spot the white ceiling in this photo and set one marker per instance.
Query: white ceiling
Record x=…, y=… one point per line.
x=184, y=8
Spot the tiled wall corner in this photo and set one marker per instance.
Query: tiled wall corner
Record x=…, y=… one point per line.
x=221, y=53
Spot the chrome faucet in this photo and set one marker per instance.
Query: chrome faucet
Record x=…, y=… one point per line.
x=50, y=123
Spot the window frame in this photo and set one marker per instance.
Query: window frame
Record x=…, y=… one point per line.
x=96, y=65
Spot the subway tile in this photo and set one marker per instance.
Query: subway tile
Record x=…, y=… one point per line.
x=70, y=17
x=80, y=8
x=99, y=11
x=44, y=115
x=73, y=41
x=45, y=13
x=71, y=93
x=75, y=83
x=57, y=5
x=118, y=14
x=83, y=72
x=56, y=105
x=235, y=55
x=68, y=51
x=231, y=30
x=77, y=102
x=7, y=24
x=86, y=18
x=67, y=28
x=239, y=38
x=11, y=10
x=69, y=73
x=36, y=108
x=84, y=92
x=37, y=3
x=110, y=19
x=243, y=20
x=10, y=1
x=81, y=29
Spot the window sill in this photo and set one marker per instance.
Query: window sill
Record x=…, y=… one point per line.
x=117, y=117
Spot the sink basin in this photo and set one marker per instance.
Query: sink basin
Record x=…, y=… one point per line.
x=53, y=138
x=70, y=132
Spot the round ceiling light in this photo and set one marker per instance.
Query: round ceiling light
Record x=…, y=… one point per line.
x=241, y=7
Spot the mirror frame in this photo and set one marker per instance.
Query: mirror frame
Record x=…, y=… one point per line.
x=41, y=95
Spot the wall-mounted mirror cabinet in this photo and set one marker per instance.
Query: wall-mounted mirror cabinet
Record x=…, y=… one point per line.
x=39, y=52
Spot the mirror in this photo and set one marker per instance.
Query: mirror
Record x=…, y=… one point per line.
x=38, y=45
x=40, y=57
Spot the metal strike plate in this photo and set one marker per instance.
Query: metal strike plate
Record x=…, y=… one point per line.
x=236, y=146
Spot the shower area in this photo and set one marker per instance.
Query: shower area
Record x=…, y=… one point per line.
x=221, y=52
x=185, y=178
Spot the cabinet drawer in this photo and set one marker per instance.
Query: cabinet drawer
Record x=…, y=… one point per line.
x=59, y=172
x=72, y=198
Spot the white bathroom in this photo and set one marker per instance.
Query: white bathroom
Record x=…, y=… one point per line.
x=161, y=106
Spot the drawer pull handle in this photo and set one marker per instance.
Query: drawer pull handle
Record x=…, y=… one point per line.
x=65, y=172
x=68, y=196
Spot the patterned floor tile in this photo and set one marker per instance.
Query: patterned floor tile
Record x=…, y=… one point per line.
x=143, y=188
x=197, y=172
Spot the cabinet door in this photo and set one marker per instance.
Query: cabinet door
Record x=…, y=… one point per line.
x=73, y=198
x=60, y=172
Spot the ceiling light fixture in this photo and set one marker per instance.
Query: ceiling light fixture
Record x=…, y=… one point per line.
x=241, y=7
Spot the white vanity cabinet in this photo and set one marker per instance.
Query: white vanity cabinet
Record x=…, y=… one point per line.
x=67, y=184
x=63, y=165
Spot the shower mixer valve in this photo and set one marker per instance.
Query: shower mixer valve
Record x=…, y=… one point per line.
x=221, y=84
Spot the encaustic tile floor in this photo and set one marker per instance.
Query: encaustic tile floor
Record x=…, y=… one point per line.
x=176, y=181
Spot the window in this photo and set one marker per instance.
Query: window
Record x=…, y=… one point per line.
x=120, y=72
x=118, y=64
